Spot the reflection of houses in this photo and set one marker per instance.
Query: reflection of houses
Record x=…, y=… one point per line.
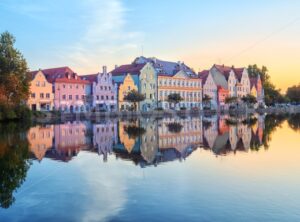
x=104, y=137
x=69, y=139
x=40, y=139
x=222, y=138
x=189, y=138
x=149, y=140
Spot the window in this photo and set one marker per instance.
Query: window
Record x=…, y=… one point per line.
x=105, y=88
x=97, y=97
x=109, y=88
x=47, y=95
x=64, y=96
x=70, y=86
x=107, y=97
x=77, y=97
x=101, y=87
x=43, y=84
x=77, y=86
x=37, y=83
x=32, y=95
x=42, y=95
x=70, y=97
x=82, y=97
x=102, y=97
x=112, y=97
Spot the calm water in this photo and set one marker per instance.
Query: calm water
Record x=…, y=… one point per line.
x=192, y=169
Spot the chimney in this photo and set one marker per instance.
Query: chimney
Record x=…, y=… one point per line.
x=104, y=68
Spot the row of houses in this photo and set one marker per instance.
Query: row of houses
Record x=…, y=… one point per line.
x=63, y=89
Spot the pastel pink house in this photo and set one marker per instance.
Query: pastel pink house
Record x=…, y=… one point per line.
x=69, y=89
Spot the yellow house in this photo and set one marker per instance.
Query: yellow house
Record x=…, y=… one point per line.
x=41, y=140
x=254, y=91
x=41, y=94
x=125, y=87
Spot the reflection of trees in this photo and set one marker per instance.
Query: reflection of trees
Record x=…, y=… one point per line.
x=272, y=121
x=134, y=131
x=174, y=127
x=14, y=161
x=294, y=121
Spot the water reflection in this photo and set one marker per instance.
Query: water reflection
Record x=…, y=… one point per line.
x=144, y=142
x=151, y=141
x=14, y=161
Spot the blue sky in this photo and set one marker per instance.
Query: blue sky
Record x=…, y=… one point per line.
x=88, y=34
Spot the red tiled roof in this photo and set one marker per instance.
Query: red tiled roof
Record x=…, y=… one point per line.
x=203, y=76
x=238, y=73
x=253, y=82
x=91, y=77
x=129, y=68
x=225, y=70
x=60, y=75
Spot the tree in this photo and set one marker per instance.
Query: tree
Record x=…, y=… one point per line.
x=293, y=93
x=14, y=161
x=249, y=99
x=174, y=127
x=134, y=97
x=231, y=100
x=174, y=98
x=206, y=100
x=272, y=95
x=14, y=77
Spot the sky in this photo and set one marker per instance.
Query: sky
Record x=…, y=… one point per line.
x=86, y=35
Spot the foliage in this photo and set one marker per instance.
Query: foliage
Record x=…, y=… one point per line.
x=134, y=131
x=14, y=160
x=17, y=112
x=293, y=93
x=14, y=77
x=230, y=100
x=272, y=95
x=134, y=97
x=174, y=127
x=294, y=121
x=174, y=98
x=249, y=99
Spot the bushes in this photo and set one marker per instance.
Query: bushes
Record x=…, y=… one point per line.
x=20, y=112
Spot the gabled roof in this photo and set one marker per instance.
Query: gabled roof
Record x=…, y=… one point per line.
x=225, y=70
x=238, y=73
x=60, y=75
x=203, y=76
x=165, y=67
x=90, y=77
x=129, y=68
x=253, y=82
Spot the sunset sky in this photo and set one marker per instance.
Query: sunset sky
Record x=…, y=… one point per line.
x=86, y=35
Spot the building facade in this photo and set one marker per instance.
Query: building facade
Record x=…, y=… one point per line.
x=145, y=80
x=41, y=96
x=103, y=91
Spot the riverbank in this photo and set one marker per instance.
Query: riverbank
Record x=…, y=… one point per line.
x=52, y=117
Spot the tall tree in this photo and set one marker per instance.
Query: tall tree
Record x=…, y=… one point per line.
x=293, y=93
x=272, y=95
x=14, y=77
x=134, y=97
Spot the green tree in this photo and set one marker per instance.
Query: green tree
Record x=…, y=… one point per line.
x=14, y=161
x=231, y=100
x=134, y=97
x=249, y=99
x=272, y=95
x=14, y=77
x=174, y=98
x=293, y=93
